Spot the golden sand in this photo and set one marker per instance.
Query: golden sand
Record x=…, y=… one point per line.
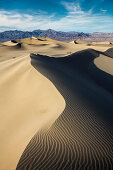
x=55, y=113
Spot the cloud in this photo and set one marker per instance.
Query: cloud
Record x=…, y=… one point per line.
x=103, y=10
x=73, y=8
x=76, y=19
x=16, y=20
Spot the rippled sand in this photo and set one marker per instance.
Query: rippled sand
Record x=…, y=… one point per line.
x=56, y=105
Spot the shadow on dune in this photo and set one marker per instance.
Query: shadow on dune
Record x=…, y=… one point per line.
x=15, y=47
x=38, y=45
x=81, y=137
x=59, y=46
x=109, y=52
x=76, y=67
x=104, y=79
x=41, y=39
x=82, y=62
x=14, y=41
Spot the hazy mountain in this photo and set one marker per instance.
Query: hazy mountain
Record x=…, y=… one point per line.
x=58, y=35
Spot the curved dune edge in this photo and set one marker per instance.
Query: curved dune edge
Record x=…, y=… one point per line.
x=102, y=71
x=101, y=43
x=109, y=52
x=105, y=64
x=28, y=102
x=9, y=43
x=80, y=138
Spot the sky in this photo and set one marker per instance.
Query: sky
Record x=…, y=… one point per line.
x=60, y=15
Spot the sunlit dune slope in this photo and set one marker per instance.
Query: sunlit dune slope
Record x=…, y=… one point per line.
x=102, y=71
x=28, y=102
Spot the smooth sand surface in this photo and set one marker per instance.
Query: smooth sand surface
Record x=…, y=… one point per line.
x=105, y=64
x=28, y=102
x=56, y=107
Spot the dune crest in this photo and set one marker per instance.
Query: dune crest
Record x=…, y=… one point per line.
x=31, y=103
x=102, y=71
x=81, y=137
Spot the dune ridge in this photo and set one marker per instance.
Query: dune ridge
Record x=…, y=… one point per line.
x=28, y=102
x=81, y=137
x=96, y=43
x=102, y=71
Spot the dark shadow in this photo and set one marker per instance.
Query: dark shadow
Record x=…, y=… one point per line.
x=59, y=46
x=41, y=39
x=81, y=137
x=75, y=69
x=37, y=45
x=109, y=52
x=14, y=41
x=104, y=79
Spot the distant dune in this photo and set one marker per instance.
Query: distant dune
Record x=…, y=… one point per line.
x=109, y=52
x=89, y=43
x=56, y=102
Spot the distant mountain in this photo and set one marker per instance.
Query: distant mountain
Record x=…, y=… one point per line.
x=102, y=34
x=57, y=35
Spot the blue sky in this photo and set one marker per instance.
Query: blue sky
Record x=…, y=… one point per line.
x=63, y=15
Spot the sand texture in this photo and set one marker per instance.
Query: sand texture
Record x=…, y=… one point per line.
x=28, y=102
x=56, y=102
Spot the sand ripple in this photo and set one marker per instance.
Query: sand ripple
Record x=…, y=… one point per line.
x=82, y=136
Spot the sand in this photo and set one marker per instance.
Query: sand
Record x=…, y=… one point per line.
x=43, y=46
x=96, y=43
x=105, y=64
x=56, y=107
x=28, y=102
x=102, y=71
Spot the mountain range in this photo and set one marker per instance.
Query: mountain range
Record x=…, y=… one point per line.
x=57, y=35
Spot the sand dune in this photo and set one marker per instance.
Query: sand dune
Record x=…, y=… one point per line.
x=102, y=71
x=80, y=42
x=105, y=64
x=13, y=47
x=43, y=46
x=9, y=43
x=56, y=105
x=102, y=43
x=81, y=138
x=34, y=40
x=109, y=52
x=28, y=102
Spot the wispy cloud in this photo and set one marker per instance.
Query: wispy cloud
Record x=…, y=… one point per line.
x=73, y=8
x=22, y=21
x=103, y=10
x=76, y=19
